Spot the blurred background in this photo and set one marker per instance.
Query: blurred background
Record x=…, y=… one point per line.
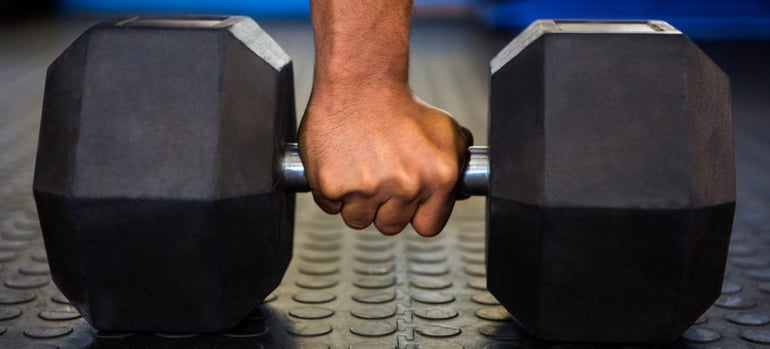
x=700, y=19
x=452, y=43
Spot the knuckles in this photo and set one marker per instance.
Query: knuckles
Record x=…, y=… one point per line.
x=445, y=173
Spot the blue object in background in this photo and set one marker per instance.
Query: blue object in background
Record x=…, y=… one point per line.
x=254, y=8
x=699, y=19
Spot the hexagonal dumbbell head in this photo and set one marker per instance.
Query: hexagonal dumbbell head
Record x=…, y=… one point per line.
x=612, y=184
x=155, y=177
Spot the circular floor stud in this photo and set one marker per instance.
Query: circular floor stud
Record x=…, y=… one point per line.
x=28, y=282
x=478, y=284
x=424, y=247
x=322, y=246
x=316, y=284
x=314, y=297
x=47, y=332
x=374, y=246
x=374, y=269
x=39, y=257
x=34, y=269
x=9, y=313
x=334, y=235
x=764, y=287
x=10, y=297
x=506, y=331
x=748, y=319
x=474, y=259
x=436, y=313
x=442, y=345
x=432, y=297
x=430, y=283
x=731, y=288
x=309, y=329
x=370, y=345
x=376, y=329
x=429, y=269
x=371, y=313
x=438, y=331
x=375, y=258
x=20, y=235
x=497, y=313
x=7, y=256
x=427, y=258
x=59, y=298
x=750, y=262
x=759, y=275
x=485, y=298
x=475, y=270
x=318, y=269
x=734, y=302
x=315, y=257
x=311, y=313
x=469, y=236
x=58, y=315
x=369, y=236
x=13, y=245
x=374, y=297
x=756, y=336
x=375, y=282
x=470, y=247
x=738, y=250
x=701, y=335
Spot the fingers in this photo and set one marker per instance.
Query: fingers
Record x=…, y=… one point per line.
x=432, y=215
x=390, y=215
x=394, y=215
x=468, y=137
x=358, y=212
x=327, y=205
x=392, y=201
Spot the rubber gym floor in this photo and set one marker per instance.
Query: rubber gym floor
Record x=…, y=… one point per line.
x=351, y=289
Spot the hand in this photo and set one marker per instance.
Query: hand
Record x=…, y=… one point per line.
x=382, y=156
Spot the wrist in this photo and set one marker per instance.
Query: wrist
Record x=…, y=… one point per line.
x=361, y=72
x=352, y=90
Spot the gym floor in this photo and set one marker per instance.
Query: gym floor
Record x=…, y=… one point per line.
x=349, y=289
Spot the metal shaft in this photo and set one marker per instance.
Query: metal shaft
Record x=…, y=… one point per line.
x=474, y=181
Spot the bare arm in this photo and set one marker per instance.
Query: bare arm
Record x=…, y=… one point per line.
x=373, y=151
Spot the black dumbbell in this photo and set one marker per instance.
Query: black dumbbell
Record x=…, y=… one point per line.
x=154, y=179
x=165, y=167
x=612, y=182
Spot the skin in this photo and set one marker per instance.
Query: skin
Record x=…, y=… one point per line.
x=373, y=151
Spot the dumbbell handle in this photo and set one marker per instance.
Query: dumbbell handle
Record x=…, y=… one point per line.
x=475, y=178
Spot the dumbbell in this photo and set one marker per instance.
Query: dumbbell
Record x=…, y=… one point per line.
x=166, y=167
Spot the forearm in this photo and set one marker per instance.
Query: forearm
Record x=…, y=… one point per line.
x=361, y=43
